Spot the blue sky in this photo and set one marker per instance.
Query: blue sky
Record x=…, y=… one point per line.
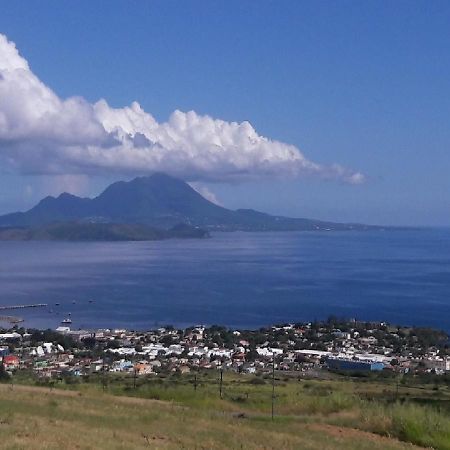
x=365, y=85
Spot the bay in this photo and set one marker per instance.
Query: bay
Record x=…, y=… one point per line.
x=239, y=279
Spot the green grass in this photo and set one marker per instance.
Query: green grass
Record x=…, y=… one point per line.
x=421, y=425
x=346, y=413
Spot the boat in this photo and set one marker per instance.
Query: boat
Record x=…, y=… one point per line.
x=66, y=321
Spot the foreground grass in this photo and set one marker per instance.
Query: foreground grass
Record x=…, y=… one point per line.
x=170, y=413
x=40, y=418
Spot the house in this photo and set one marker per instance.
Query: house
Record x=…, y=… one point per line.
x=440, y=364
x=143, y=368
x=10, y=336
x=184, y=369
x=11, y=362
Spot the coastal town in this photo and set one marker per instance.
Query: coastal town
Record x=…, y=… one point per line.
x=304, y=349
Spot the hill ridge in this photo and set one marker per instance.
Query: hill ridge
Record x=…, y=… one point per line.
x=162, y=201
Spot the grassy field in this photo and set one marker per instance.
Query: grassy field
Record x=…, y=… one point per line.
x=170, y=413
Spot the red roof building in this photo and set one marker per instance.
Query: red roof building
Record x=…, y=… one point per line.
x=11, y=361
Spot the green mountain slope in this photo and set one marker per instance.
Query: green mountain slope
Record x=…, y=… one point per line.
x=75, y=231
x=162, y=201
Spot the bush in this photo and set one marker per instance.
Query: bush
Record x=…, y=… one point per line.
x=422, y=426
x=419, y=425
x=256, y=381
x=4, y=375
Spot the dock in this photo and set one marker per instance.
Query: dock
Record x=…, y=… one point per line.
x=35, y=305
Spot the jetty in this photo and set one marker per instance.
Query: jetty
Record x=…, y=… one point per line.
x=35, y=305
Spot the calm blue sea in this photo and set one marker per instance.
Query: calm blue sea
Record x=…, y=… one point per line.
x=234, y=279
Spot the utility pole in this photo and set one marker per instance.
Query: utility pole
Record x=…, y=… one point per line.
x=221, y=383
x=398, y=378
x=134, y=378
x=273, y=384
x=104, y=377
x=104, y=381
x=195, y=381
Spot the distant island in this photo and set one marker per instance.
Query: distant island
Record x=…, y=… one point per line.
x=147, y=208
x=74, y=231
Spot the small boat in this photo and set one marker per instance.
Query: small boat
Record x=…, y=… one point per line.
x=57, y=304
x=66, y=321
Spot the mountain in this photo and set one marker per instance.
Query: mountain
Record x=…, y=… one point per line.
x=160, y=201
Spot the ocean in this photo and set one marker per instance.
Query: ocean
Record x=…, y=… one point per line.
x=239, y=279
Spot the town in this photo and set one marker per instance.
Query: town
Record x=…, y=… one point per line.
x=305, y=349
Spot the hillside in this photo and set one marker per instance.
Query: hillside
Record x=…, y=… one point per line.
x=85, y=417
x=161, y=201
x=79, y=231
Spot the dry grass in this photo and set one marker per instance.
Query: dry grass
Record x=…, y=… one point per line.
x=40, y=418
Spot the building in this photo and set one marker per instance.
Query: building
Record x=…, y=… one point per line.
x=352, y=365
x=442, y=364
x=11, y=362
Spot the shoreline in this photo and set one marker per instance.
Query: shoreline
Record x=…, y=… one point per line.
x=310, y=347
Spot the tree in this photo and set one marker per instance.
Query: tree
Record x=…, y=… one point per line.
x=89, y=342
x=4, y=375
x=251, y=355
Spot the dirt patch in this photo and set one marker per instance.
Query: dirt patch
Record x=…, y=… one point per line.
x=349, y=433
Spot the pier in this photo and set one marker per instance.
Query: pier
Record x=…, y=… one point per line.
x=36, y=305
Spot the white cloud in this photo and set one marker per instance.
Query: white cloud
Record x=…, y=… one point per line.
x=41, y=133
x=204, y=191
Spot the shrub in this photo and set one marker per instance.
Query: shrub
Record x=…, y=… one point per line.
x=4, y=375
x=422, y=426
x=256, y=381
x=419, y=425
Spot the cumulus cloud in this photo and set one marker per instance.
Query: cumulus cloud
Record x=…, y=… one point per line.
x=205, y=192
x=41, y=133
